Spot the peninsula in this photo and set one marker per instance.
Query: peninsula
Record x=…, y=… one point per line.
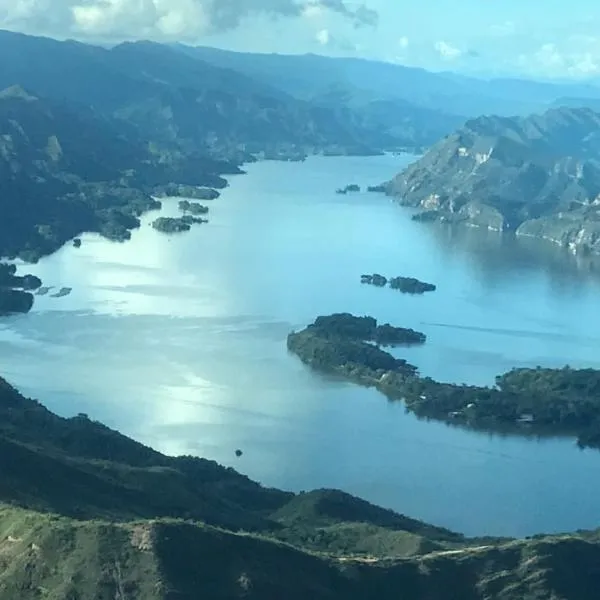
x=546, y=401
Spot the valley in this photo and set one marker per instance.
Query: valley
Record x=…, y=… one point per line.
x=226, y=467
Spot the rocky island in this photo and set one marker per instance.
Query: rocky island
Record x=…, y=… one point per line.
x=15, y=290
x=352, y=188
x=544, y=401
x=406, y=285
x=536, y=176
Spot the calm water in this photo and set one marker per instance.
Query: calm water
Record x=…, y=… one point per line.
x=180, y=342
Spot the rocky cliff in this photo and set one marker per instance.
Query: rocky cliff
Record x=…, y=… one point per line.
x=537, y=176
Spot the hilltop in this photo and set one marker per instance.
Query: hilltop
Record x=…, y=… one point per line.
x=87, y=513
x=538, y=176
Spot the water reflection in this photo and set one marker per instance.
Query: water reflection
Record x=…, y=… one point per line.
x=180, y=342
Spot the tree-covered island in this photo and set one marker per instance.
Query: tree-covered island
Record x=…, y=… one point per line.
x=406, y=285
x=533, y=401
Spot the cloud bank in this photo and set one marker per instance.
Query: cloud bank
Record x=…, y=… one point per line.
x=161, y=19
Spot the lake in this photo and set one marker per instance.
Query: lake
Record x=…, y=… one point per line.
x=179, y=342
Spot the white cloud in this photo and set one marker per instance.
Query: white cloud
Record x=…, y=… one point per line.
x=323, y=37
x=161, y=19
x=447, y=51
x=403, y=42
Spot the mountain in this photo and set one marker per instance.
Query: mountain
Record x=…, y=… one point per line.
x=538, y=176
x=87, y=513
x=311, y=76
x=65, y=169
x=173, y=98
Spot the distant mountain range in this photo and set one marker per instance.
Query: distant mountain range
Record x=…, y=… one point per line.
x=89, y=132
x=538, y=176
x=311, y=77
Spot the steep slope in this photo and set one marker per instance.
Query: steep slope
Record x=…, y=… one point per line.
x=65, y=169
x=171, y=97
x=538, y=176
x=87, y=513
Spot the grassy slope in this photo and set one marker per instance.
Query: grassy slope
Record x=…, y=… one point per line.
x=49, y=557
x=86, y=513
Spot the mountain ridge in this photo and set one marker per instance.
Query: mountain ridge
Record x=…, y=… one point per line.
x=538, y=176
x=185, y=528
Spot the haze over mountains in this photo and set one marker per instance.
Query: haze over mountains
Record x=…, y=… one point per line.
x=87, y=137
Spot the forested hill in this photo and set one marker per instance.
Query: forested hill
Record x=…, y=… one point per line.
x=87, y=513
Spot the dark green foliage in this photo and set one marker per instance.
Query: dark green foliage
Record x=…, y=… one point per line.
x=337, y=547
x=15, y=301
x=194, y=208
x=410, y=285
x=175, y=190
x=176, y=224
x=343, y=343
x=14, y=290
x=376, y=279
x=406, y=285
x=170, y=225
x=544, y=401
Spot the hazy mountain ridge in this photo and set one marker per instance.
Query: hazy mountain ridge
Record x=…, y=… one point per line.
x=171, y=97
x=310, y=76
x=89, y=514
x=65, y=169
x=537, y=175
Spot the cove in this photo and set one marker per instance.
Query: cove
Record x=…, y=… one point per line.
x=179, y=341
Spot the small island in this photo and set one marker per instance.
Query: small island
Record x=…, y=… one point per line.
x=411, y=285
x=180, y=190
x=349, y=188
x=377, y=188
x=64, y=291
x=194, y=208
x=406, y=285
x=15, y=290
x=176, y=224
x=376, y=279
x=77, y=243
x=348, y=345
x=540, y=401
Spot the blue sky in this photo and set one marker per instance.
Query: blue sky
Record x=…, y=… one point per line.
x=542, y=39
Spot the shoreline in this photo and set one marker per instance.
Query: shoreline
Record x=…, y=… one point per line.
x=540, y=402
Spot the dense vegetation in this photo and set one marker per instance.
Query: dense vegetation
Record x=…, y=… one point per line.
x=126, y=124
x=176, y=224
x=87, y=513
x=343, y=343
x=15, y=294
x=194, y=208
x=180, y=190
x=554, y=401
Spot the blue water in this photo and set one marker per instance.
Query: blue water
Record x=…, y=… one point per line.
x=179, y=341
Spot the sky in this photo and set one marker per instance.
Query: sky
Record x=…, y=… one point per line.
x=543, y=39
